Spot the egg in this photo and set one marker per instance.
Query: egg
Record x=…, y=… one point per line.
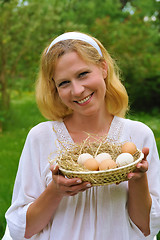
x=103, y=156
x=129, y=147
x=107, y=164
x=83, y=157
x=91, y=164
x=124, y=159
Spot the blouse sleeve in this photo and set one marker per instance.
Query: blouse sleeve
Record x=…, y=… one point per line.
x=29, y=183
x=146, y=138
x=154, y=186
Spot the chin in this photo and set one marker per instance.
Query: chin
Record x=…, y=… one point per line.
x=91, y=113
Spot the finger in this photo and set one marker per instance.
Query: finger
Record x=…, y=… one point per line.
x=56, y=174
x=139, y=172
x=145, y=151
x=135, y=175
x=64, y=181
x=79, y=188
x=60, y=179
x=54, y=169
x=142, y=166
x=71, y=182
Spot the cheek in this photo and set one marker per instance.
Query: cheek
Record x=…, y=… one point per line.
x=63, y=95
x=102, y=87
x=60, y=94
x=57, y=97
x=100, y=84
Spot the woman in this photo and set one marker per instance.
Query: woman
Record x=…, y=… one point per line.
x=79, y=90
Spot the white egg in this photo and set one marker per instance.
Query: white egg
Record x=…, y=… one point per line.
x=103, y=156
x=83, y=157
x=124, y=159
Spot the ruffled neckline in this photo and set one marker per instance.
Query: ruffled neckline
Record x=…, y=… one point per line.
x=64, y=137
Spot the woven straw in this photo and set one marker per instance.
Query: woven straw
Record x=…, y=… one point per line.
x=104, y=177
x=67, y=161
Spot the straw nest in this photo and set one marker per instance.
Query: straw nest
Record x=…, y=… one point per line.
x=67, y=161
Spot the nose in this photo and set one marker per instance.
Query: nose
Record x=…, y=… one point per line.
x=77, y=88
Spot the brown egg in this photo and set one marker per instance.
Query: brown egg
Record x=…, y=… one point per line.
x=91, y=164
x=129, y=147
x=107, y=164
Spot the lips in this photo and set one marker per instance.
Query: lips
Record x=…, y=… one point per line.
x=84, y=100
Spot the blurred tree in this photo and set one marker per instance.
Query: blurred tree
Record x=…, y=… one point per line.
x=134, y=42
x=128, y=29
x=123, y=3
x=26, y=27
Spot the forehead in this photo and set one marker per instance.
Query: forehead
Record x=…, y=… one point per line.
x=70, y=60
x=69, y=56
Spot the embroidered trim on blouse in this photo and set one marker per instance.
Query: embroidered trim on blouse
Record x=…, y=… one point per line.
x=115, y=130
x=64, y=137
x=62, y=133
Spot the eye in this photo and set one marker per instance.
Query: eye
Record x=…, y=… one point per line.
x=63, y=84
x=83, y=74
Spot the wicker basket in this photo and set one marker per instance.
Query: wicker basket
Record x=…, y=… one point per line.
x=68, y=166
x=105, y=177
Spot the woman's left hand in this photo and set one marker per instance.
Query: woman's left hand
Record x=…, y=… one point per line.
x=142, y=166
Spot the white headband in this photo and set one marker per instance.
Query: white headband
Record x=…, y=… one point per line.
x=76, y=36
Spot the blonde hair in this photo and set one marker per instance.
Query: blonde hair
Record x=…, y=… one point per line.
x=47, y=96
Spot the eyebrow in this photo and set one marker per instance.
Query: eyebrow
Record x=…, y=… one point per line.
x=60, y=81
x=83, y=69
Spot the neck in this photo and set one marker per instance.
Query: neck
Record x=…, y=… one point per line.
x=97, y=124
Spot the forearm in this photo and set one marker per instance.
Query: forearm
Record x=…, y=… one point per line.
x=139, y=203
x=41, y=211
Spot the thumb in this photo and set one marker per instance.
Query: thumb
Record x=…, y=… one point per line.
x=54, y=169
x=145, y=151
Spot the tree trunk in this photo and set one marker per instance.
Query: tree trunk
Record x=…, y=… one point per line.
x=4, y=95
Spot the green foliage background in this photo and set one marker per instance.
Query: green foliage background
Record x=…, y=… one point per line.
x=129, y=29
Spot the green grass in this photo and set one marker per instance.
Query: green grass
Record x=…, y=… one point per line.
x=152, y=120
x=22, y=116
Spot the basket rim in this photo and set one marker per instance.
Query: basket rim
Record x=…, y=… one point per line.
x=106, y=171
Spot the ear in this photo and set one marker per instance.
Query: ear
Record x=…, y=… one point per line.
x=104, y=69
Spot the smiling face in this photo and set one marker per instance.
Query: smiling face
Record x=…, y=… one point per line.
x=80, y=84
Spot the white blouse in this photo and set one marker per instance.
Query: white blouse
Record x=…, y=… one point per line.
x=98, y=213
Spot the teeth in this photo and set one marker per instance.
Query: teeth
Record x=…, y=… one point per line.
x=84, y=100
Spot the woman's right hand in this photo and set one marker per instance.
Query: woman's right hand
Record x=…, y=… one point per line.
x=66, y=186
